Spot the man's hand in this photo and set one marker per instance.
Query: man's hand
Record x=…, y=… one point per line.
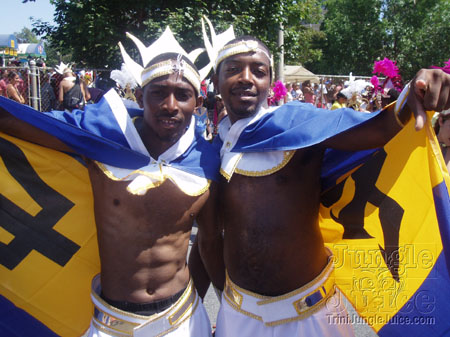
x=429, y=91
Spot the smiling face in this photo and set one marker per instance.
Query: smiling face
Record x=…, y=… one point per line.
x=169, y=102
x=243, y=81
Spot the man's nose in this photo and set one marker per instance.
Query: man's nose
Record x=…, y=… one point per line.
x=170, y=104
x=246, y=74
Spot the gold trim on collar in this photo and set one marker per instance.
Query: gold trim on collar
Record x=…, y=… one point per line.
x=287, y=157
x=159, y=182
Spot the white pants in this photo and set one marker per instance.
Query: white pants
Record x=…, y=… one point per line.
x=316, y=309
x=186, y=317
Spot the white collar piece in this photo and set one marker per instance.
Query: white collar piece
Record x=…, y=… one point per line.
x=158, y=170
x=249, y=163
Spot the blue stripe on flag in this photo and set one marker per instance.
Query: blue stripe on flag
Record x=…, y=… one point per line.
x=442, y=206
x=427, y=311
x=15, y=322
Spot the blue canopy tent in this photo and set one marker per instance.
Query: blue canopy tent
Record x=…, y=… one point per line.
x=35, y=50
x=8, y=46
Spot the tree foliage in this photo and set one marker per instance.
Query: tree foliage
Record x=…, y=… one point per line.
x=353, y=34
x=418, y=32
x=91, y=29
x=26, y=36
x=411, y=32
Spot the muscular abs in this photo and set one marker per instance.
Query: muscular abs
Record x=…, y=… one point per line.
x=143, y=240
x=273, y=244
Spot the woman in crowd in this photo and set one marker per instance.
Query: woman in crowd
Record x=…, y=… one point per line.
x=12, y=91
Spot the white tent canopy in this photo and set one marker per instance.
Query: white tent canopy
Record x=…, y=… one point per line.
x=299, y=74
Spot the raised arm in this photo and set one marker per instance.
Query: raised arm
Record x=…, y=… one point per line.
x=20, y=129
x=85, y=90
x=61, y=93
x=429, y=90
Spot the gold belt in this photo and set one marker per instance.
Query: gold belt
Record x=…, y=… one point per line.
x=294, y=305
x=120, y=323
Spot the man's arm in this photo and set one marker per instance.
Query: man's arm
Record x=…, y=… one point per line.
x=85, y=90
x=210, y=240
x=429, y=90
x=18, y=128
x=197, y=270
x=61, y=93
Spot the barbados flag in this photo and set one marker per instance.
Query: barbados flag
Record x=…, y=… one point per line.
x=385, y=214
x=387, y=222
x=48, y=242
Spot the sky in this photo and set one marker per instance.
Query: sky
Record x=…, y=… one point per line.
x=16, y=14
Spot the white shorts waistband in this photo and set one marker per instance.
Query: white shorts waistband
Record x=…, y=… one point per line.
x=295, y=305
x=120, y=323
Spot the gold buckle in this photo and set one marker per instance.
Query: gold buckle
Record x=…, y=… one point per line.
x=233, y=295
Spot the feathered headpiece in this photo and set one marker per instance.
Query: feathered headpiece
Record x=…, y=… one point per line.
x=279, y=90
x=354, y=92
x=214, y=46
x=388, y=68
x=124, y=77
x=446, y=68
x=63, y=68
x=166, y=43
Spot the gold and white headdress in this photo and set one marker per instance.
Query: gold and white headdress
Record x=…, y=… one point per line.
x=166, y=43
x=123, y=77
x=240, y=47
x=215, y=45
x=218, y=50
x=63, y=68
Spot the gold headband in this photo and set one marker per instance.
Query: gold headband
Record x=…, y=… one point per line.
x=240, y=47
x=168, y=67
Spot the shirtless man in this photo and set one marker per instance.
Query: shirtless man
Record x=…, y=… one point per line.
x=273, y=248
x=73, y=93
x=143, y=238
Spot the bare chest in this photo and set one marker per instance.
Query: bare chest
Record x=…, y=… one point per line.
x=161, y=207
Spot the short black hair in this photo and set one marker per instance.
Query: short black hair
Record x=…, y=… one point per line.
x=393, y=94
x=340, y=95
x=249, y=38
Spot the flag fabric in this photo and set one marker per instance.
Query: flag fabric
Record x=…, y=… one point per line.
x=387, y=222
x=385, y=214
x=48, y=242
x=105, y=132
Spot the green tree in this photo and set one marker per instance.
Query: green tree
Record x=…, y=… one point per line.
x=354, y=36
x=417, y=33
x=26, y=36
x=413, y=33
x=90, y=29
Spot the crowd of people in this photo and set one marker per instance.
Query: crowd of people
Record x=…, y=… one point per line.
x=259, y=241
x=335, y=94
x=57, y=90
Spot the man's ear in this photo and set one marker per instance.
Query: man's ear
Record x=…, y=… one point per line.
x=199, y=102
